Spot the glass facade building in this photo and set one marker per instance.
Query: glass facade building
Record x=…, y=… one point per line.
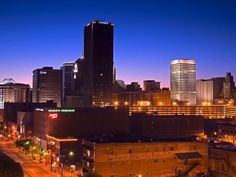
x=183, y=81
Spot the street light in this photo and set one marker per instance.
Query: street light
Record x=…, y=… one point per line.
x=71, y=153
x=116, y=103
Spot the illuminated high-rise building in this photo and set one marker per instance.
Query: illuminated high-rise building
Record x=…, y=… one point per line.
x=183, y=80
x=98, y=75
x=47, y=85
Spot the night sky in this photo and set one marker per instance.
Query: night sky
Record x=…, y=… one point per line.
x=148, y=35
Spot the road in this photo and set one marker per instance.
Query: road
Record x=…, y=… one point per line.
x=30, y=167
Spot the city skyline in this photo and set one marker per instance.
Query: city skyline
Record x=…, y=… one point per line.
x=48, y=34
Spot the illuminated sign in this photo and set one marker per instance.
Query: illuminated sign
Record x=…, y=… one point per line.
x=53, y=115
x=67, y=110
x=43, y=72
x=39, y=109
x=61, y=110
x=54, y=110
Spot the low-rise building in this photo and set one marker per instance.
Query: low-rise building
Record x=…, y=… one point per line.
x=222, y=160
x=208, y=111
x=80, y=122
x=149, y=159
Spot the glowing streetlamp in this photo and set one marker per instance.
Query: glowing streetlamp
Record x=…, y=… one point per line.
x=71, y=153
x=116, y=103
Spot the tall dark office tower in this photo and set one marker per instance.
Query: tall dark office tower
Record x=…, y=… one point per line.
x=98, y=55
x=229, y=86
x=78, y=75
x=67, y=81
x=47, y=85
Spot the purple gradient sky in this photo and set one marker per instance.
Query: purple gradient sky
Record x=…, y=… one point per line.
x=148, y=35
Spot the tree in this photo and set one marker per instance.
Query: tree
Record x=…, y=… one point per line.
x=9, y=168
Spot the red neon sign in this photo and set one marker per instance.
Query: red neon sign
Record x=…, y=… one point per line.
x=53, y=115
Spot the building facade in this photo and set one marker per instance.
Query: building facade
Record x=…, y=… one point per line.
x=80, y=122
x=166, y=127
x=13, y=92
x=98, y=57
x=67, y=81
x=183, y=80
x=222, y=160
x=229, y=86
x=47, y=85
x=211, y=112
x=151, y=85
x=150, y=159
x=209, y=90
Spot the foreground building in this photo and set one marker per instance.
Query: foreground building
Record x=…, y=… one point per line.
x=19, y=115
x=110, y=157
x=80, y=122
x=222, y=160
x=151, y=159
x=183, y=80
x=109, y=142
x=166, y=127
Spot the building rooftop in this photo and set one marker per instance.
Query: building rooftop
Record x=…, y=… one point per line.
x=182, y=60
x=133, y=139
x=224, y=146
x=7, y=81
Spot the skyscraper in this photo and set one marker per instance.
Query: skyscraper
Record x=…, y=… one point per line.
x=47, y=85
x=98, y=58
x=67, y=81
x=183, y=80
x=229, y=86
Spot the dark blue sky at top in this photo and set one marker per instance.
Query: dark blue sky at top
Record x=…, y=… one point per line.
x=148, y=35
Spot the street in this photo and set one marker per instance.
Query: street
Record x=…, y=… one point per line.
x=30, y=167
